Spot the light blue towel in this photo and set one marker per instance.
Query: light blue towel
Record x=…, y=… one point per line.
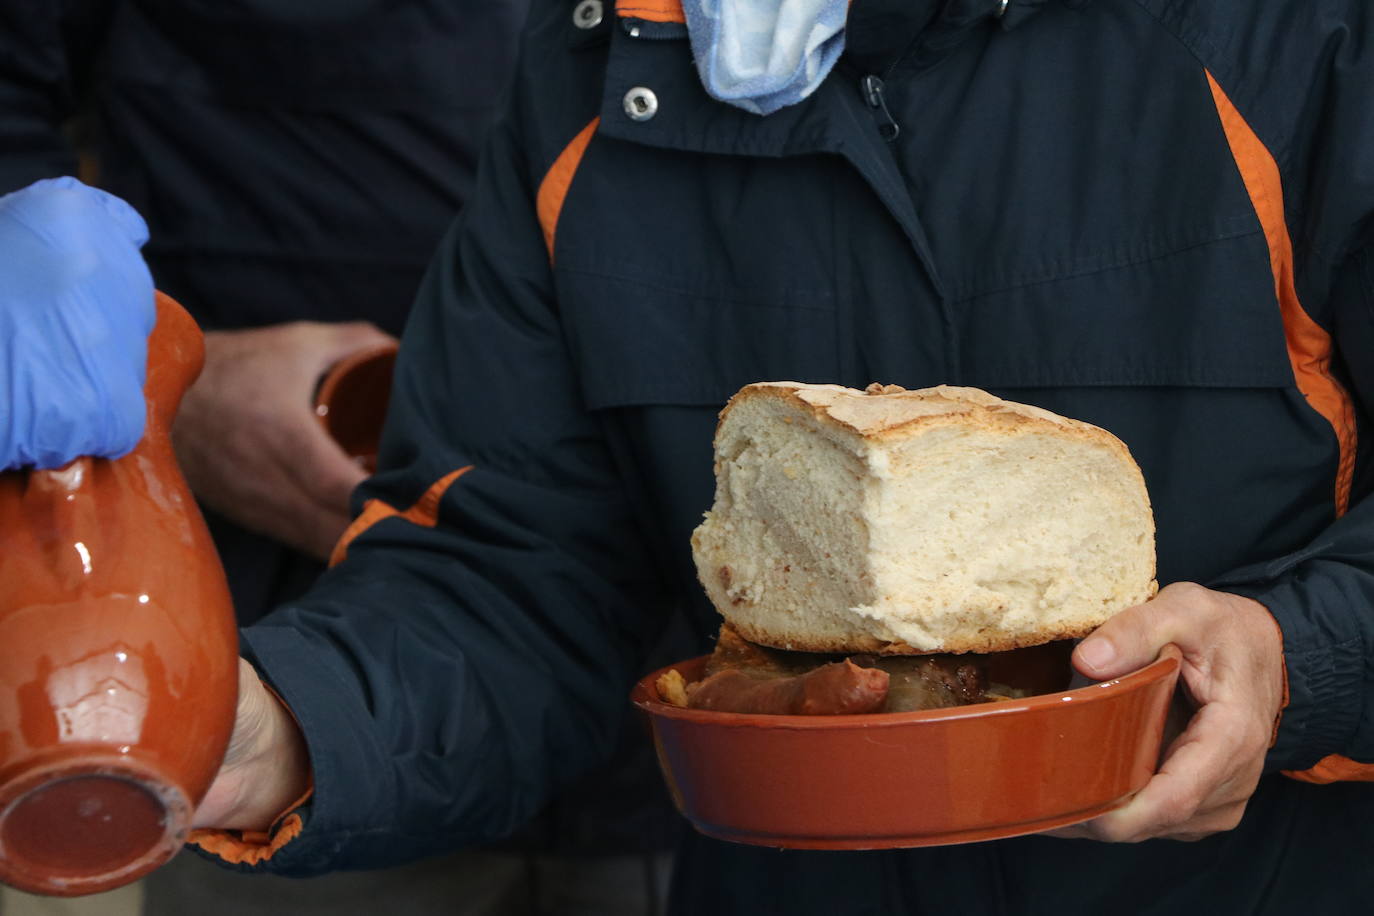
x=762, y=55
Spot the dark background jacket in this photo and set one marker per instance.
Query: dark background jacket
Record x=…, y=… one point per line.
x=1151, y=215
x=293, y=160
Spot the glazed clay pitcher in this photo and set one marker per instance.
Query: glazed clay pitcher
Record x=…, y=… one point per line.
x=118, y=671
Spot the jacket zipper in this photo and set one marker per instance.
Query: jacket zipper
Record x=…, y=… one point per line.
x=872, y=88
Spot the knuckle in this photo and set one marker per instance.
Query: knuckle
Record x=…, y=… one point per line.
x=1181, y=596
x=1130, y=626
x=1113, y=828
x=1185, y=589
x=1189, y=837
x=1150, y=615
x=1179, y=811
x=1123, y=834
x=1230, y=817
x=1109, y=833
x=57, y=203
x=293, y=332
x=1221, y=820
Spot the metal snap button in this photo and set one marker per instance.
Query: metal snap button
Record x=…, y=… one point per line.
x=641, y=104
x=1001, y=9
x=587, y=14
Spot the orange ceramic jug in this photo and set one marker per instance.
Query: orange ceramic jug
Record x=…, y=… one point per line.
x=118, y=671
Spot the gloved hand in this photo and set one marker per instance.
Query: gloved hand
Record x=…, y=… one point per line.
x=76, y=308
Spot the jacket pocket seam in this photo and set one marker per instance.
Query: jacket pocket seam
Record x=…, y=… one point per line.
x=715, y=296
x=1146, y=253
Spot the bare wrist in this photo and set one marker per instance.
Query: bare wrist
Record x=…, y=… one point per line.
x=266, y=768
x=278, y=774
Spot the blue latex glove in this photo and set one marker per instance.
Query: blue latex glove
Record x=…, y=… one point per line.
x=76, y=308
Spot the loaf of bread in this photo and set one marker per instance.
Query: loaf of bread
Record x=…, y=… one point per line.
x=905, y=522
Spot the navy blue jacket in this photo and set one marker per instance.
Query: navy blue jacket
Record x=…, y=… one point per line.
x=1153, y=215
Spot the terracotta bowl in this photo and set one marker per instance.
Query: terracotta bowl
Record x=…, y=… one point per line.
x=352, y=399
x=926, y=778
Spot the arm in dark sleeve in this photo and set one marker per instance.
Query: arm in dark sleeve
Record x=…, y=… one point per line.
x=1323, y=595
x=473, y=651
x=1309, y=100
x=45, y=49
x=1323, y=600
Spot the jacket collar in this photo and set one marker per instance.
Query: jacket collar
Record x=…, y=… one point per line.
x=649, y=51
x=1011, y=12
x=832, y=120
x=889, y=35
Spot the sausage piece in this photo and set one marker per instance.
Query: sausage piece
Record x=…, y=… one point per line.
x=836, y=689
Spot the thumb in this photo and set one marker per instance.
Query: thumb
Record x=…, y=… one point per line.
x=1130, y=640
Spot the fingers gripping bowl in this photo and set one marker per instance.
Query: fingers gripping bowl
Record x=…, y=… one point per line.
x=879, y=524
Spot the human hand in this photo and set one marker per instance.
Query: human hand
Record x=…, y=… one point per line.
x=76, y=308
x=265, y=768
x=1232, y=673
x=248, y=439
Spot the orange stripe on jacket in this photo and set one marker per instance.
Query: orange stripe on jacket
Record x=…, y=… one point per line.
x=425, y=512
x=651, y=10
x=553, y=190
x=1335, y=769
x=1309, y=348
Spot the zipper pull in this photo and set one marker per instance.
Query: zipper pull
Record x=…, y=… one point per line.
x=872, y=89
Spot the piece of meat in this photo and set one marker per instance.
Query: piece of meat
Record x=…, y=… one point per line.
x=839, y=688
x=930, y=681
x=911, y=690
x=734, y=651
x=967, y=682
x=764, y=679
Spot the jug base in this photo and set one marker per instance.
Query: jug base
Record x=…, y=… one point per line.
x=87, y=826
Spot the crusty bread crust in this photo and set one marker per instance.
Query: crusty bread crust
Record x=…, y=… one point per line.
x=884, y=413
x=985, y=643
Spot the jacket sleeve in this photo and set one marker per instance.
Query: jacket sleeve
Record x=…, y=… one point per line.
x=44, y=48
x=1323, y=599
x=1304, y=86
x=473, y=651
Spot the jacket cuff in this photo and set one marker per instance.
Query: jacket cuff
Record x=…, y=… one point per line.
x=306, y=838
x=253, y=847
x=1324, y=678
